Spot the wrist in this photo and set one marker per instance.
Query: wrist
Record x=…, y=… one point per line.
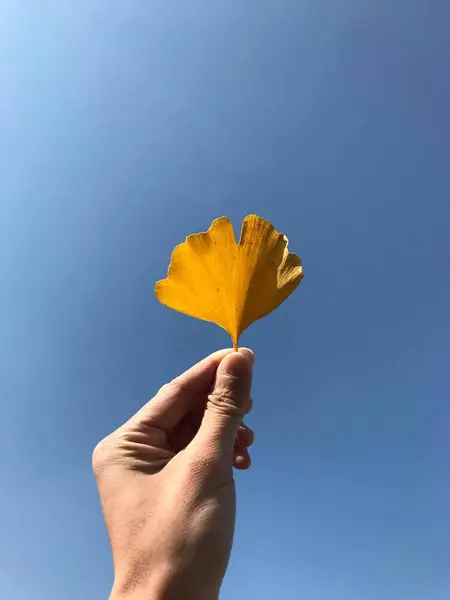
x=136, y=594
x=131, y=590
x=158, y=595
x=148, y=592
x=161, y=590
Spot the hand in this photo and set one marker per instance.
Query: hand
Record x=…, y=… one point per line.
x=166, y=485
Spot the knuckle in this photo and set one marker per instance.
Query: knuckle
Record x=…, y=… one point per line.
x=173, y=388
x=227, y=402
x=162, y=390
x=163, y=387
x=102, y=454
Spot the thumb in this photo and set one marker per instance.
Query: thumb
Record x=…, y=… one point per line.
x=227, y=404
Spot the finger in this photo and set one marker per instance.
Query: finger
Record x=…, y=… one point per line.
x=226, y=406
x=245, y=437
x=175, y=399
x=242, y=460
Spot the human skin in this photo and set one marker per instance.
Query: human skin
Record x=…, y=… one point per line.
x=165, y=480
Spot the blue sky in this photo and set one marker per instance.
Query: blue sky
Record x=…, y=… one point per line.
x=128, y=125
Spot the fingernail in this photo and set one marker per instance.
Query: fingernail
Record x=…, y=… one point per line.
x=249, y=354
x=236, y=364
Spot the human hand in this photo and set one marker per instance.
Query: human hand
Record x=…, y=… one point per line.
x=165, y=480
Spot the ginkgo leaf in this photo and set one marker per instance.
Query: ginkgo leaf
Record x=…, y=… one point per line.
x=213, y=278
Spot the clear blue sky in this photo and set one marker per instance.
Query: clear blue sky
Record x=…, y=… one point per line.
x=126, y=126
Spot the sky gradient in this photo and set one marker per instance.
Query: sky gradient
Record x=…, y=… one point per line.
x=126, y=126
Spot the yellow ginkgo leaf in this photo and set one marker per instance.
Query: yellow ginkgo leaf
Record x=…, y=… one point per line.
x=213, y=278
